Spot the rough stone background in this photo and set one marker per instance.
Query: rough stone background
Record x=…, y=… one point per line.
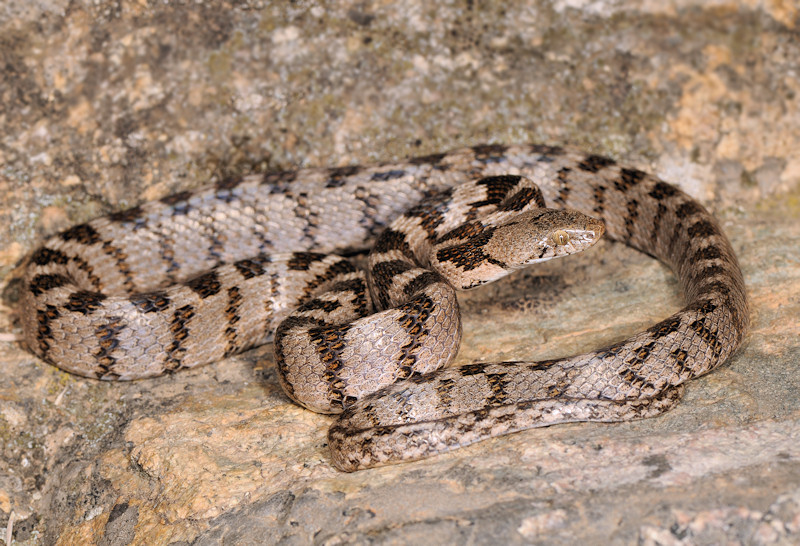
x=107, y=103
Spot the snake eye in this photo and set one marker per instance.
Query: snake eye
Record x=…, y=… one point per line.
x=559, y=237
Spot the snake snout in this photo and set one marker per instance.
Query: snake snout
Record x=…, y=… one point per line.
x=578, y=233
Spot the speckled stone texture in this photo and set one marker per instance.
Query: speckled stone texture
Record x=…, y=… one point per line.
x=107, y=103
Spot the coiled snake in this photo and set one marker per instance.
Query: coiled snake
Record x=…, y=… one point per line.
x=196, y=276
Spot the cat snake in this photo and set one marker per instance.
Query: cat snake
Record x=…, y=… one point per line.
x=197, y=276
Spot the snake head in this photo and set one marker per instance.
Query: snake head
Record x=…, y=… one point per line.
x=564, y=232
x=531, y=237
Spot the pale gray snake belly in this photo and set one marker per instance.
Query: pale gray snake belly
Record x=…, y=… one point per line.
x=187, y=280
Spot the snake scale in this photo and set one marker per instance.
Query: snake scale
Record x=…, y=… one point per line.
x=196, y=276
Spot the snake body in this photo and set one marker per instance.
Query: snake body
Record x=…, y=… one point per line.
x=196, y=276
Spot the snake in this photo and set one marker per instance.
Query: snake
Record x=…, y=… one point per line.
x=199, y=275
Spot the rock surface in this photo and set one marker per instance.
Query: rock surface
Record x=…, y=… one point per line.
x=108, y=103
